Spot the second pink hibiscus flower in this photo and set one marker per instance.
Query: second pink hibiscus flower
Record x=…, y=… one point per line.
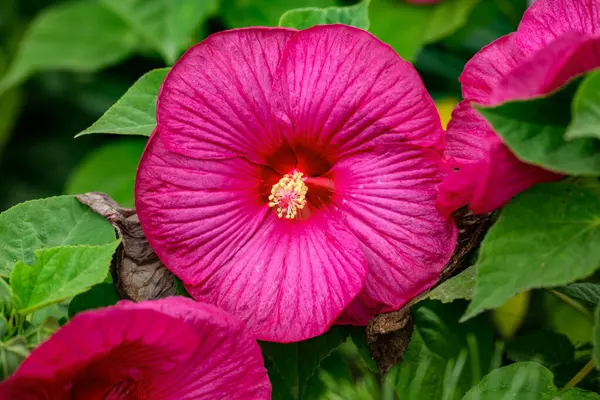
x=556, y=41
x=292, y=173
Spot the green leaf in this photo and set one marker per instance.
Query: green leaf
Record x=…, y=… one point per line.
x=596, y=337
x=523, y=381
x=334, y=381
x=444, y=357
x=109, y=169
x=297, y=362
x=167, y=24
x=359, y=339
x=60, y=273
x=447, y=17
x=10, y=107
x=588, y=292
x=12, y=352
x=57, y=311
x=407, y=28
x=240, y=13
x=51, y=222
x=586, y=109
x=535, y=131
x=101, y=295
x=135, y=112
x=36, y=335
x=564, y=319
x=80, y=36
x=546, y=236
x=509, y=317
x=420, y=375
x=302, y=18
x=546, y=347
x=460, y=286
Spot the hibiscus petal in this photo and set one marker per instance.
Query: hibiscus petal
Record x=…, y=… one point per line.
x=214, y=102
x=197, y=214
x=549, y=68
x=388, y=203
x=466, y=137
x=342, y=91
x=292, y=279
x=546, y=20
x=489, y=174
x=483, y=72
x=228, y=362
x=117, y=344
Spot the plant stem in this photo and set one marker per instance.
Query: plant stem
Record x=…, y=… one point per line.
x=580, y=375
x=574, y=304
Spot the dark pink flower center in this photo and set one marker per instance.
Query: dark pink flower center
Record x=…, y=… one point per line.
x=296, y=177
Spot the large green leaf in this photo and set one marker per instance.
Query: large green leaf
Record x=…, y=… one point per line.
x=460, y=286
x=535, y=131
x=109, y=169
x=167, y=24
x=135, y=112
x=240, y=13
x=295, y=363
x=588, y=292
x=407, y=28
x=523, y=381
x=81, y=36
x=51, y=222
x=546, y=236
x=586, y=109
x=302, y=18
x=60, y=273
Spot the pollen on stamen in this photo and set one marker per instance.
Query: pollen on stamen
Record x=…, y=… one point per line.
x=289, y=195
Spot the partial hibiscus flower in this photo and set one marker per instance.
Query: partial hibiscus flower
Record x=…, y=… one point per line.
x=171, y=349
x=556, y=41
x=293, y=172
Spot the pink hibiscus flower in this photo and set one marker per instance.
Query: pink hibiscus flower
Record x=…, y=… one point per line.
x=556, y=41
x=171, y=349
x=285, y=166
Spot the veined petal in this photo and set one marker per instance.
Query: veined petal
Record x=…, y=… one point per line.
x=485, y=70
x=197, y=214
x=488, y=174
x=342, y=91
x=228, y=362
x=467, y=134
x=215, y=101
x=547, y=20
x=388, y=203
x=292, y=279
x=549, y=68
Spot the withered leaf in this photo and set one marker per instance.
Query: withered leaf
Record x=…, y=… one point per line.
x=137, y=272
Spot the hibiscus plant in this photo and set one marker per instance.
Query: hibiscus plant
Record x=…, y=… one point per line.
x=303, y=199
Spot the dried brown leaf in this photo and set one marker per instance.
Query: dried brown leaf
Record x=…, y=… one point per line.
x=137, y=271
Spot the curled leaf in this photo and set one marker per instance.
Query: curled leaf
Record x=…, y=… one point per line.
x=137, y=271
